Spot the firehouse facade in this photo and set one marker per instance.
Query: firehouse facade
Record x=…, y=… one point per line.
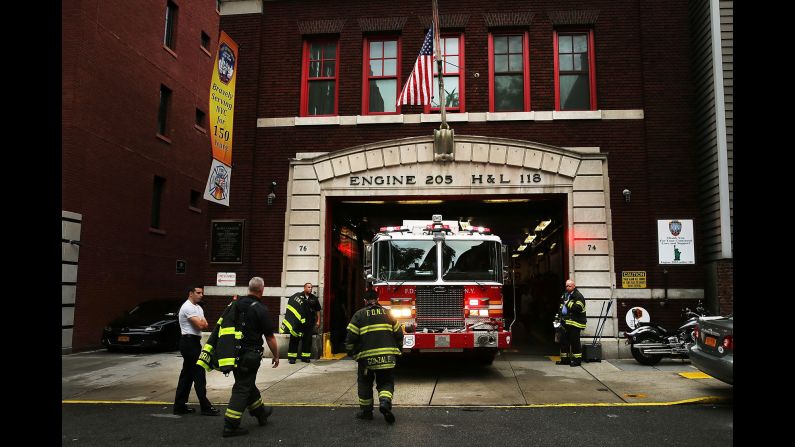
x=573, y=138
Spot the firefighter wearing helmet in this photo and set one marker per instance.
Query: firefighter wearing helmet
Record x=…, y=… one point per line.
x=374, y=341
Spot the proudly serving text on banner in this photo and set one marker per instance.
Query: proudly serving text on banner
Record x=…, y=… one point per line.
x=222, y=105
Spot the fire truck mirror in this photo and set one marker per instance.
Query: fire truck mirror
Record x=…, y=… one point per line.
x=368, y=261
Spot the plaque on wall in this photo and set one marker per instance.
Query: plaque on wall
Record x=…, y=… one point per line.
x=226, y=241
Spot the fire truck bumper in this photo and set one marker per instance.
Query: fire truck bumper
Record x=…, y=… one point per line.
x=456, y=342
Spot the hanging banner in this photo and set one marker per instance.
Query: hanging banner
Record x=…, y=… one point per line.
x=222, y=99
x=218, y=183
x=222, y=106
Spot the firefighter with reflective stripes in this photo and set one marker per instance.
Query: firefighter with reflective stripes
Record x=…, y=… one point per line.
x=300, y=319
x=572, y=315
x=254, y=324
x=374, y=340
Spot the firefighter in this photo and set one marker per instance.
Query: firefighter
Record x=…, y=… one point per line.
x=374, y=340
x=300, y=319
x=572, y=315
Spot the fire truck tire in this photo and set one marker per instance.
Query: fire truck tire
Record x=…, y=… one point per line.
x=485, y=358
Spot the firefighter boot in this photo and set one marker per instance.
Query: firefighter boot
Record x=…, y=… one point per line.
x=232, y=429
x=385, y=407
x=563, y=361
x=262, y=413
x=575, y=362
x=365, y=414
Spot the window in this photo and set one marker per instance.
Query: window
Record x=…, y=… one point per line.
x=157, y=197
x=452, y=50
x=509, y=78
x=170, y=36
x=319, y=78
x=205, y=42
x=381, y=74
x=575, y=83
x=200, y=118
x=194, y=199
x=162, y=112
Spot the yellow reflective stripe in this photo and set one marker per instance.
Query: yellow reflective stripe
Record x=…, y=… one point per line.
x=292, y=355
x=295, y=312
x=378, y=351
x=204, y=365
x=208, y=347
x=226, y=331
x=575, y=324
x=353, y=328
x=576, y=356
x=396, y=327
x=375, y=327
x=290, y=328
x=232, y=414
x=226, y=362
x=256, y=404
x=564, y=354
x=365, y=401
x=306, y=354
x=220, y=320
x=382, y=366
x=385, y=394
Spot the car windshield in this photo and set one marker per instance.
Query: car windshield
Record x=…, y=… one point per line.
x=405, y=260
x=470, y=260
x=157, y=307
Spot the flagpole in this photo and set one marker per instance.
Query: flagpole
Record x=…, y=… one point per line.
x=438, y=56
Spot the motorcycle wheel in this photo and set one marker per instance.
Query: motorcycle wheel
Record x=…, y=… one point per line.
x=645, y=359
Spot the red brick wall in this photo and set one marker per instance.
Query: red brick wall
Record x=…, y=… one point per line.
x=113, y=66
x=641, y=63
x=725, y=286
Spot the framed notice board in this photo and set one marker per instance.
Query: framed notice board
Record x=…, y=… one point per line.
x=226, y=241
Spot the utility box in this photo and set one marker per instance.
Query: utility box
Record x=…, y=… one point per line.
x=592, y=352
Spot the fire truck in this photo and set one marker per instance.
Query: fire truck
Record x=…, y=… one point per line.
x=444, y=283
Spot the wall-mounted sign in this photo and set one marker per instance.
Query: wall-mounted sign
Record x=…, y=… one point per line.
x=182, y=266
x=675, y=241
x=226, y=241
x=223, y=279
x=633, y=279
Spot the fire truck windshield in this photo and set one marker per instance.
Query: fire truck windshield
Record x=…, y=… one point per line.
x=470, y=260
x=405, y=260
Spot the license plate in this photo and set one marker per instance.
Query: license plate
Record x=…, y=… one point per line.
x=125, y=338
x=710, y=341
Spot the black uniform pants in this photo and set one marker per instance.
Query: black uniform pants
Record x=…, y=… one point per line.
x=245, y=393
x=384, y=383
x=306, y=344
x=191, y=374
x=570, y=346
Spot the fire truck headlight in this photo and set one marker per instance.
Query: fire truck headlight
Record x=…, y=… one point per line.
x=484, y=312
x=405, y=312
x=474, y=302
x=394, y=312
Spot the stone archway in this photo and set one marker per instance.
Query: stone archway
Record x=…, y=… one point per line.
x=482, y=166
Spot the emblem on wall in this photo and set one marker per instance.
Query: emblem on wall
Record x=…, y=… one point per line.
x=226, y=63
x=675, y=226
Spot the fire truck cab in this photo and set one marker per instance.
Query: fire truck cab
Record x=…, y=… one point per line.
x=444, y=283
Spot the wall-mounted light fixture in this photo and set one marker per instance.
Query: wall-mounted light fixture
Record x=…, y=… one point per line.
x=272, y=195
x=626, y=193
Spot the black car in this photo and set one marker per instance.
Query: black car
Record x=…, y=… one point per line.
x=151, y=324
x=713, y=352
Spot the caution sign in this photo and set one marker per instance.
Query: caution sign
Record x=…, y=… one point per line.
x=633, y=280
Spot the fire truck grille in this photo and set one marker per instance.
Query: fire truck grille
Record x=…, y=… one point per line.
x=440, y=307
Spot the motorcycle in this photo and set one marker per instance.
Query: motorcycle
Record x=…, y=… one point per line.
x=650, y=342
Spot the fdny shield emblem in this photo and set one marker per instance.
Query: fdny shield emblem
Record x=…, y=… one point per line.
x=675, y=226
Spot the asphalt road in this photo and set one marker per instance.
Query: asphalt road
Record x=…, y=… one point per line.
x=154, y=425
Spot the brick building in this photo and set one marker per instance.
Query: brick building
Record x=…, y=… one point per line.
x=135, y=156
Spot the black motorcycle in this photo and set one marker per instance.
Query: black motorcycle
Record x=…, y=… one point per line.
x=650, y=342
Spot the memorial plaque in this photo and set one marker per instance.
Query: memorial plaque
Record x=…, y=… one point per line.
x=226, y=241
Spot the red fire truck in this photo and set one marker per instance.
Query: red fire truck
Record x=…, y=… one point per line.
x=444, y=283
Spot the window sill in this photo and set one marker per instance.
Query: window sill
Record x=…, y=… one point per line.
x=195, y=210
x=206, y=51
x=157, y=231
x=170, y=51
x=163, y=138
x=200, y=128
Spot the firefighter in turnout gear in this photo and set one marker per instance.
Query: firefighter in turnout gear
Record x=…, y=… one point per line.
x=300, y=320
x=254, y=323
x=374, y=340
x=572, y=316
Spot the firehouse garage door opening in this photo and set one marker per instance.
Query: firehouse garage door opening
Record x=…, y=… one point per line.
x=532, y=227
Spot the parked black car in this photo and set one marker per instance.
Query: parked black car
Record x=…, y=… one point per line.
x=713, y=352
x=151, y=324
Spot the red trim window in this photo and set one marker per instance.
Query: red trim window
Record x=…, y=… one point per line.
x=509, y=72
x=319, y=89
x=452, y=50
x=380, y=74
x=575, y=80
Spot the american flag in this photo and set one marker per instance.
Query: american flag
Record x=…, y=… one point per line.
x=419, y=88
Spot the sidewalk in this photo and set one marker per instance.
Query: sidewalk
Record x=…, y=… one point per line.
x=515, y=379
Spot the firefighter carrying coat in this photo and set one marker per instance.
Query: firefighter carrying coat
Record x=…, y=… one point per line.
x=220, y=351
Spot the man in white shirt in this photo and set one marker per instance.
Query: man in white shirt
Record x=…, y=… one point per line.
x=191, y=323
